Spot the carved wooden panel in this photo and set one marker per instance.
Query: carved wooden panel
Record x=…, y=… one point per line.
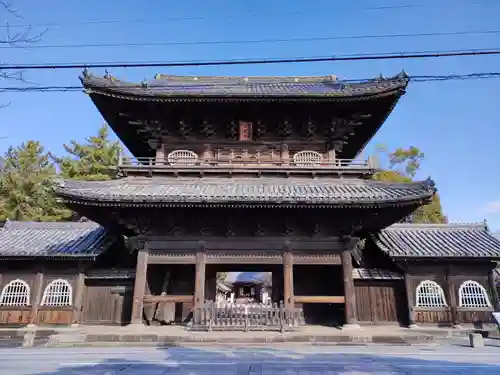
x=316, y=258
x=247, y=257
x=171, y=257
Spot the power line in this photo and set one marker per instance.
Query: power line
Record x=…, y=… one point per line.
x=414, y=78
x=251, y=41
x=226, y=16
x=357, y=57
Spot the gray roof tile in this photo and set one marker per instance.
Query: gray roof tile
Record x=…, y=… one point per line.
x=375, y=274
x=438, y=240
x=53, y=239
x=171, y=190
x=111, y=274
x=190, y=86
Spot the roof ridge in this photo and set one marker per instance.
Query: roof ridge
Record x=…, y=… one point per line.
x=87, y=77
x=50, y=225
x=438, y=225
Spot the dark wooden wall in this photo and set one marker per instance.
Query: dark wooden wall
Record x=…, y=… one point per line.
x=107, y=301
x=450, y=277
x=27, y=271
x=381, y=301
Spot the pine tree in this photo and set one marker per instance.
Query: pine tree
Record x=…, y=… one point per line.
x=26, y=190
x=93, y=160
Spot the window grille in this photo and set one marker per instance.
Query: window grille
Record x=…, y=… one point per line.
x=307, y=158
x=57, y=293
x=15, y=293
x=430, y=294
x=473, y=294
x=182, y=157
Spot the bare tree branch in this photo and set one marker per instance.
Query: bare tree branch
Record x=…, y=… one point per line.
x=16, y=38
x=9, y=8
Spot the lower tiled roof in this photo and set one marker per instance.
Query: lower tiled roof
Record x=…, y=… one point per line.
x=375, y=274
x=111, y=274
x=264, y=190
x=53, y=239
x=438, y=240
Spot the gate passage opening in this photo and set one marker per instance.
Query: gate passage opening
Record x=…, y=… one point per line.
x=245, y=288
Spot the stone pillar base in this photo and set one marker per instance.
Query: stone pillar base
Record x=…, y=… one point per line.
x=351, y=326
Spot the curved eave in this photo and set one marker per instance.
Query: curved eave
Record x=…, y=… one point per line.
x=71, y=199
x=352, y=92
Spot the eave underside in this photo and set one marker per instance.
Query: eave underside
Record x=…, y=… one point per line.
x=119, y=111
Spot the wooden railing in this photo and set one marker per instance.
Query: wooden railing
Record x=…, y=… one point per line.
x=154, y=163
x=246, y=317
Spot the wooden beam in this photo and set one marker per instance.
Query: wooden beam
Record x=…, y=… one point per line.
x=409, y=299
x=452, y=298
x=288, y=279
x=332, y=245
x=171, y=259
x=349, y=291
x=169, y=298
x=80, y=288
x=37, y=297
x=199, y=286
x=139, y=286
x=319, y=299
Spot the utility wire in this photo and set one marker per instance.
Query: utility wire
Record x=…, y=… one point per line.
x=415, y=78
x=230, y=16
x=358, y=57
x=250, y=41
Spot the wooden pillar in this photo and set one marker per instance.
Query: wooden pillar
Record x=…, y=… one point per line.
x=36, y=298
x=288, y=279
x=80, y=289
x=494, y=292
x=452, y=299
x=199, y=286
x=139, y=286
x=410, y=299
x=351, y=319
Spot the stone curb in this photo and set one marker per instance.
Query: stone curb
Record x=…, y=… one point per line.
x=62, y=340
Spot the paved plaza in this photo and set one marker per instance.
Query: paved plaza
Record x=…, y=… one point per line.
x=451, y=359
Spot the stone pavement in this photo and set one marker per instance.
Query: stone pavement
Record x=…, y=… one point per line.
x=284, y=359
x=173, y=335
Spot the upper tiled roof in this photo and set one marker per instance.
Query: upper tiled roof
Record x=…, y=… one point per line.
x=264, y=190
x=438, y=240
x=59, y=239
x=189, y=86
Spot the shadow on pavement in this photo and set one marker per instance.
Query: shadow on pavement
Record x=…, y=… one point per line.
x=242, y=361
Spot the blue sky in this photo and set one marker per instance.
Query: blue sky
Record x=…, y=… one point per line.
x=456, y=124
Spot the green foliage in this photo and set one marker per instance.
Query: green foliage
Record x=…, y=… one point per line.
x=94, y=160
x=26, y=185
x=409, y=161
x=410, y=158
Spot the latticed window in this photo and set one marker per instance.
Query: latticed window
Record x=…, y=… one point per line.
x=473, y=294
x=15, y=293
x=430, y=294
x=57, y=293
x=182, y=157
x=307, y=158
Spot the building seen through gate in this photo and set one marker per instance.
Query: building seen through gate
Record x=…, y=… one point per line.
x=261, y=174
